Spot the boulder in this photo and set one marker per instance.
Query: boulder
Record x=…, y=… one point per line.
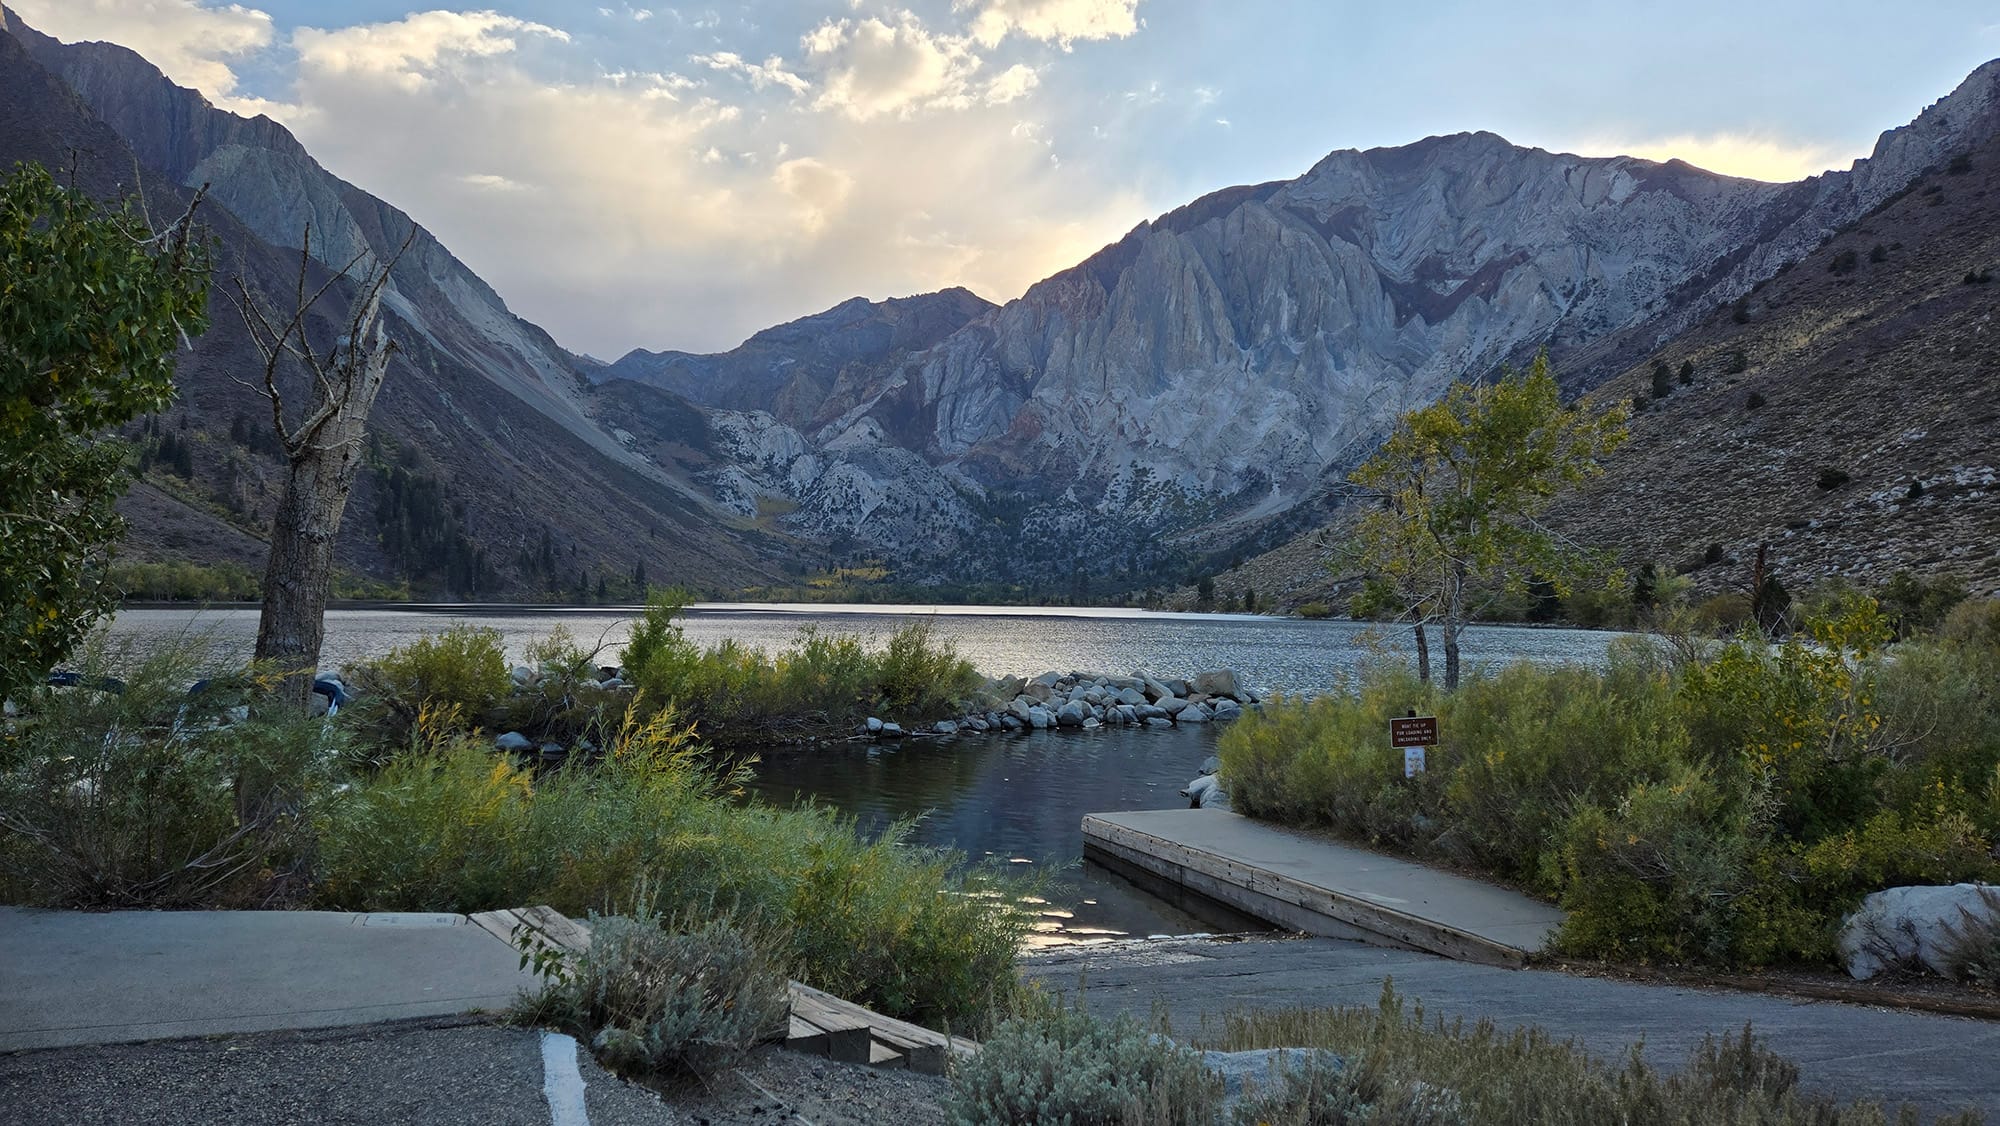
x=1210, y=765
x=945, y=727
x=1040, y=718
x=1220, y=682
x=1177, y=687
x=522, y=676
x=1193, y=713
x=1008, y=687
x=1092, y=724
x=513, y=741
x=1047, y=680
x=1155, y=691
x=873, y=726
x=979, y=724
x=892, y=731
x=1910, y=926
x=1127, y=714
x=1012, y=722
x=1205, y=792
x=1151, y=711
x=1131, y=697
x=1226, y=708
x=1021, y=709
x=1040, y=692
x=1071, y=714
x=1158, y=721
x=1262, y=1070
x=1171, y=705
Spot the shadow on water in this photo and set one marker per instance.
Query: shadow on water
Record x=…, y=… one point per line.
x=1020, y=800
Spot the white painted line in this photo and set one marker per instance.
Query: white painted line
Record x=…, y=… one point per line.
x=562, y=1083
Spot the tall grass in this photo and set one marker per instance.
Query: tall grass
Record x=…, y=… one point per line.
x=822, y=682
x=1727, y=805
x=450, y=826
x=141, y=793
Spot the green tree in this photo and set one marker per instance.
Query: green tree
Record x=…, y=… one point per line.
x=1462, y=484
x=96, y=303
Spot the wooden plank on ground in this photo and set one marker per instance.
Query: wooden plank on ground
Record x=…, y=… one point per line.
x=846, y=1036
x=499, y=924
x=927, y=1051
x=557, y=928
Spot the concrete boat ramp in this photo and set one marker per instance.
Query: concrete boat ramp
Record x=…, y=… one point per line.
x=1314, y=885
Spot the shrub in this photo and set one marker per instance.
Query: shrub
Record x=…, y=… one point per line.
x=461, y=671
x=1737, y=363
x=450, y=827
x=1663, y=379
x=1843, y=262
x=1973, y=949
x=651, y=996
x=1959, y=165
x=140, y=797
x=1915, y=605
x=921, y=675
x=1832, y=477
x=1406, y=1068
x=1753, y=401
x=1878, y=253
x=1314, y=611
x=1067, y=1068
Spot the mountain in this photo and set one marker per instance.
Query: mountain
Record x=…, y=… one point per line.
x=486, y=419
x=1208, y=378
x=1845, y=412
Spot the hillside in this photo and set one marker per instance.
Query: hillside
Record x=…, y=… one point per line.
x=1861, y=434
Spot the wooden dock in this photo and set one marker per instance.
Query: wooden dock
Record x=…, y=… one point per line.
x=820, y=1023
x=1312, y=884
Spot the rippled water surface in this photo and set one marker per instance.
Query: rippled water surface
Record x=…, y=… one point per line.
x=1008, y=799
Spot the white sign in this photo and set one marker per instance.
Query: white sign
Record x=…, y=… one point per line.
x=1413, y=761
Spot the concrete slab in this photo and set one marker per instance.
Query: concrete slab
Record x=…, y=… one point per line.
x=77, y=978
x=1311, y=883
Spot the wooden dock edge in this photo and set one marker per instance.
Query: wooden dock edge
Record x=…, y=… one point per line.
x=1287, y=902
x=820, y=1024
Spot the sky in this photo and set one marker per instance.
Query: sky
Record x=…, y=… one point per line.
x=679, y=176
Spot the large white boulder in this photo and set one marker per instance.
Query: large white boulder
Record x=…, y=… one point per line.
x=1910, y=926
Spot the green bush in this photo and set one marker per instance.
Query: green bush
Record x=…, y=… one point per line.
x=1404, y=1068
x=741, y=696
x=1313, y=611
x=452, y=827
x=1064, y=1067
x=153, y=796
x=652, y=997
x=1706, y=803
x=461, y=671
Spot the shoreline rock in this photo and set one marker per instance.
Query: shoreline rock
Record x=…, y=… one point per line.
x=1085, y=701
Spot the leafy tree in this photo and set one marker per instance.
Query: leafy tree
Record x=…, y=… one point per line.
x=1464, y=481
x=1204, y=591
x=96, y=305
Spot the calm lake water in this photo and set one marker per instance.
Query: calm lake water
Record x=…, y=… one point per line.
x=1015, y=800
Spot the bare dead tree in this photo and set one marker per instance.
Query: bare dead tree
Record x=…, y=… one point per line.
x=321, y=442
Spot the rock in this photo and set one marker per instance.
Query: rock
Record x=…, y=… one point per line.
x=1131, y=697
x=1047, y=680
x=1193, y=713
x=945, y=727
x=1127, y=714
x=1092, y=724
x=522, y=676
x=1261, y=1070
x=1008, y=687
x=1071, y=714
x=1040, y=718
x=1210, y=765
x=1039, y=691
x=1151, y=711
x=1177, y=687
x=1012, y=722
x=1021, y=709
x=979, y=724
x=1158, y=721
x=1155, y=691
x=552, y=751
x=874, y=725
x=237, y=714
x=1081, y=693
x=514, y=742
x=1171, y=705
x=892, y=730
x=1907, y=926
x=1205, y=793
x=1227, y=708
x=1221, y=682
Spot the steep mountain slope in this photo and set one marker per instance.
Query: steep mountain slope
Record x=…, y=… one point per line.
x=1847, y=413
x=483, y=414
x=1211, y=371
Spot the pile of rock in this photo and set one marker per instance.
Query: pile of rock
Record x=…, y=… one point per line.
x=1087, y=701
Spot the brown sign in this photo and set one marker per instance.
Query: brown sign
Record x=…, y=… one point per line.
x=1414, y=731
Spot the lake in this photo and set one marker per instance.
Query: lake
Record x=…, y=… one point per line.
x=1014, y=800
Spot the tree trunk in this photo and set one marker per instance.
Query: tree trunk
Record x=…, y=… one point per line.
x=1454, y=620
x=1423, y=653
x=299, y=575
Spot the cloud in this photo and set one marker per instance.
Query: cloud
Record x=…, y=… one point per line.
x=630, y=209
x=771, y=73
x=1012, y=83
x=1061, y=22
x=870, y=67
x=408, y=48
x=1733, y=154
x=191, y=43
